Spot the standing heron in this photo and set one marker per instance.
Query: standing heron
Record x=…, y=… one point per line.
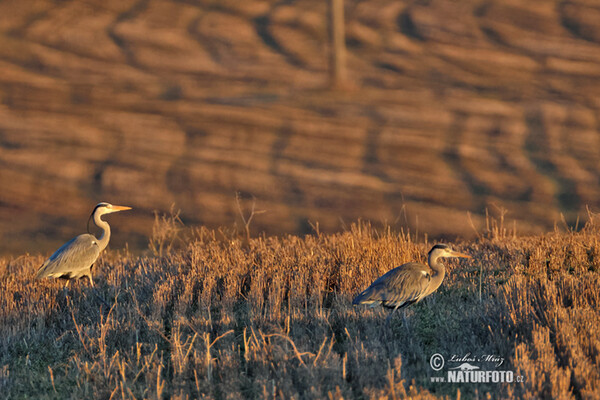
x=75, y=259
x=408, y=283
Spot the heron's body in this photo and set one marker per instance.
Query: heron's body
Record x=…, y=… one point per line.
x=79, y=254
x=384, y=291
x=75, y=259
x=408, y=283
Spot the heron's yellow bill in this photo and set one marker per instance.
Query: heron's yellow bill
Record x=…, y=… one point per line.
x=120, y=208
x=459, y=254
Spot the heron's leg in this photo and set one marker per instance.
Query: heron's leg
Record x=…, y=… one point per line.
x=405, y=321
x=96, y=291
x=89, y=275
x=65, y=289
x=389, y=318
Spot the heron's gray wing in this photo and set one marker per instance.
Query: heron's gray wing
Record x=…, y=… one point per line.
x=76, y=255
x=399, y=287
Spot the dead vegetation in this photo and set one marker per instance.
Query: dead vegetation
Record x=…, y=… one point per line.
x=272, y=318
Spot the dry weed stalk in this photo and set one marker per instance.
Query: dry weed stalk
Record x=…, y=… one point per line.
x=247, y=220
x=165, y=232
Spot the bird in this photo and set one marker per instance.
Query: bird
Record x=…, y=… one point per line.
x=408, y=283
x=75, y=259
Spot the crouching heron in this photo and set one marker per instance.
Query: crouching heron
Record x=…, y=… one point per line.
x=408, y=283
x=75, y=259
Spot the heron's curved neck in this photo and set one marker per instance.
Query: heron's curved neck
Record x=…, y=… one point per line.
x=105, y=236
x=439, y=273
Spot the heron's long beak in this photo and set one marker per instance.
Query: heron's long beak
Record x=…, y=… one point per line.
x=458, y=254
x=119, y=208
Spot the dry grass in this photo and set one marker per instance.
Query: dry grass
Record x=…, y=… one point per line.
x=272, y=318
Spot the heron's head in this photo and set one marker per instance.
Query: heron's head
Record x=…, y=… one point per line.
x=105, y=208
x=443, y=250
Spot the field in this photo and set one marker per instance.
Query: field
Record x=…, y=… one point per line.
x=457, y=117
x=451, y=107
x=216, y=314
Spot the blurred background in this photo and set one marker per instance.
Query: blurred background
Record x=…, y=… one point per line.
x=447, y=109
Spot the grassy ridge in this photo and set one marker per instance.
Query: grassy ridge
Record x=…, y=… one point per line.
x=272, y=318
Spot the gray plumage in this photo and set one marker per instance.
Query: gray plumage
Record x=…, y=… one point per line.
x=408, y=283
x=75, y=259
x=399, y=287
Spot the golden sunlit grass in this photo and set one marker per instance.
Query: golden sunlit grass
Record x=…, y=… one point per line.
x=271, y=317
